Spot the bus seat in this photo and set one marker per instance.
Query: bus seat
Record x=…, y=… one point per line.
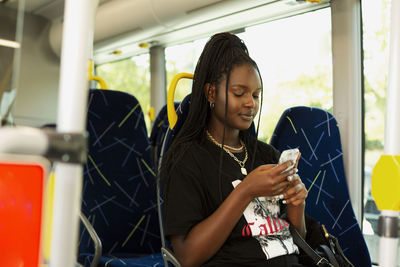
x=158, y=132
x=119, y=190
x=315, y=132
x=182, y=111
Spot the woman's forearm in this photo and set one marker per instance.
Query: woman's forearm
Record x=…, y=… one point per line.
x=295, y=215
x=207, y=237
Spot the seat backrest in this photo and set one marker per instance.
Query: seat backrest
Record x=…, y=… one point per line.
x=316, y=134
x=158, y=132
x=119, y=190
x=182, y=111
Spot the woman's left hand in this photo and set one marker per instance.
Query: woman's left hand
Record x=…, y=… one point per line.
x=296, y=193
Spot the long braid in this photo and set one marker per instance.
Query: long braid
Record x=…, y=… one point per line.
x=258, y=122
x=221, y=158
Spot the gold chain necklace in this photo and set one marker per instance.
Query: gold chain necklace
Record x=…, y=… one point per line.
x=240, y=162
x=226, y=146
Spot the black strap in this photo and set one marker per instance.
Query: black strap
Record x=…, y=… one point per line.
x=299, y=241
x=330, y=255
x=340, y=251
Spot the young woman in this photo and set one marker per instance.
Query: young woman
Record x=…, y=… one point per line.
x=227, y=202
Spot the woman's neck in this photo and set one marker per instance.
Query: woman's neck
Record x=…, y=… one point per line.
x=231, y=135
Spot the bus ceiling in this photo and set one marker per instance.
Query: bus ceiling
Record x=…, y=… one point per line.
x=123, y=26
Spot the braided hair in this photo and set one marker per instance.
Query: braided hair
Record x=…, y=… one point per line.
x=221, y=54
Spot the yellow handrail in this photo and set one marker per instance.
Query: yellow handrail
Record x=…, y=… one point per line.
x=151, y=114
x=48, y=219
x=172, y=116
x=92, y=77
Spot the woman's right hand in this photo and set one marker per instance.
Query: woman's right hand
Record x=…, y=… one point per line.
x=268, y=180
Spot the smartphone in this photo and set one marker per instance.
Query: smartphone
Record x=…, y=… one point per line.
x=289, y=154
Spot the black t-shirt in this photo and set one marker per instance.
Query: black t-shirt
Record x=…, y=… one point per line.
x=194, y=193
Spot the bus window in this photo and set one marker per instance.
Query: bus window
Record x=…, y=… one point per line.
x=131, y=75
x=376, y=24
x=182, y=58
x=295, y=60
x=296, y=66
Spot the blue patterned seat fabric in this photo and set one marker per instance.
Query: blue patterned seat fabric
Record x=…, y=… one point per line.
x=316, y=134
x=158, y=132
x=182, y=111
x=119, y=190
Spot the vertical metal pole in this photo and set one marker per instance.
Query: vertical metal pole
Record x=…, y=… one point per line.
x=158, y=78
x=92, y=83
x=388, y=240
x=347, y=88
x=72, y=102
x=158, y=100
x=388, y=244
x=392, y=125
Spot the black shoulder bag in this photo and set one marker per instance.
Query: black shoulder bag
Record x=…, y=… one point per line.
x=321, y=248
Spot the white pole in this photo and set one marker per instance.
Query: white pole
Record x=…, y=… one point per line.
x=158, y=78
x=388, y=245
x=347, y=70
x=392, y=125
x=72, y=102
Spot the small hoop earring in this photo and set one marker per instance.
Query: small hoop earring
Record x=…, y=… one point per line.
x=212, y=105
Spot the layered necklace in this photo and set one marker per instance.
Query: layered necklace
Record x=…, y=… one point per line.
x=227, y=148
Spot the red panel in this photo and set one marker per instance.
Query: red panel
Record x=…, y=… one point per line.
x=21, y=194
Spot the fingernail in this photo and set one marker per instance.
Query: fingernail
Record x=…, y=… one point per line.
x=296, y=170
x=290, y=178
x=280, y=196
x=284, y=201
